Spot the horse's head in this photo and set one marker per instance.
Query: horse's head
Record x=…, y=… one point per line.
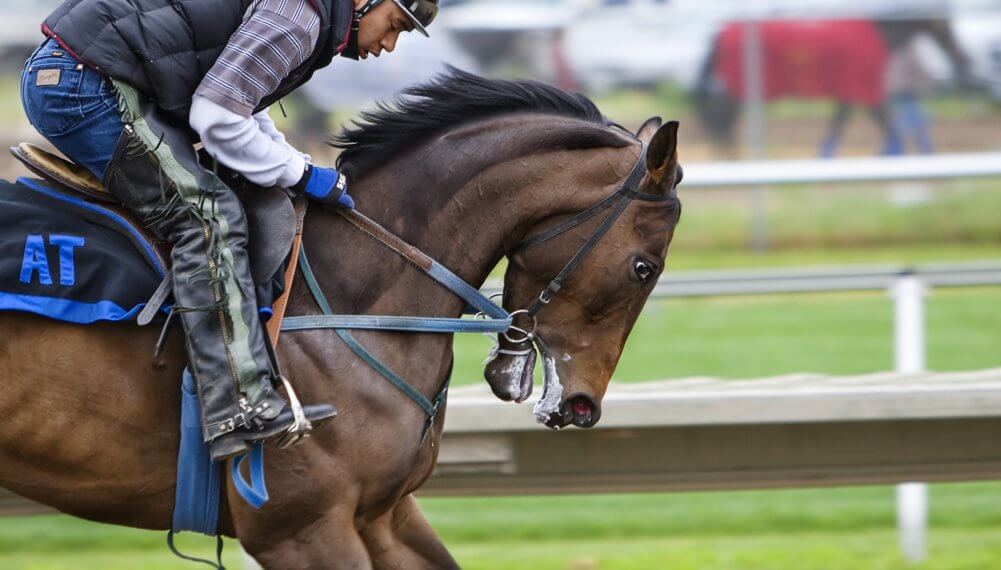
x=582, y=329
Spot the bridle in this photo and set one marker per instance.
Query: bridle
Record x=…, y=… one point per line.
x=618, y=201
x=492, y=318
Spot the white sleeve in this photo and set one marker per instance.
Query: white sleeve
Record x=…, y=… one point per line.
x=268, y=127
x=243, y=144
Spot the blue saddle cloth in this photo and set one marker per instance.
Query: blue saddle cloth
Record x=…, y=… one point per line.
x=72, y=260
x=69, y=259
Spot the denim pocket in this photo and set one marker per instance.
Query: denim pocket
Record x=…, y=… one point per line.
x=96, y=93
x=50, y=91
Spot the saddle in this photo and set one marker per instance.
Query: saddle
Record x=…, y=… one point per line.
x=273, y=222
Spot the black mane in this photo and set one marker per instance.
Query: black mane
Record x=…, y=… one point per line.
x=451, y=99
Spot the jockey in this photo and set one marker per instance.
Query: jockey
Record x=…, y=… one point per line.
x=127, y=87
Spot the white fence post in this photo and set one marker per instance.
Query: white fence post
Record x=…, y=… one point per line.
x=754, y=119
x=909, y=357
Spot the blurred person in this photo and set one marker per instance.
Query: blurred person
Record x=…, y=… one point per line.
x=908, y=79
x=126, y=88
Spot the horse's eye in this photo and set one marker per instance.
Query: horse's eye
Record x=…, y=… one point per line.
x=644, y=269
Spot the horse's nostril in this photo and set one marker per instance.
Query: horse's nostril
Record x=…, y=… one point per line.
x=583, y=411
x=581, y=406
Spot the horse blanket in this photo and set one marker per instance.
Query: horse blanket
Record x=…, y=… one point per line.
x=837, y=59
x=68, y=259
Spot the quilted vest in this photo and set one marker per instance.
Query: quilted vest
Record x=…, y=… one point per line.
x=164, y=48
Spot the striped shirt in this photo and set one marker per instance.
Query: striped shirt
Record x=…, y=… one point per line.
x=276, y=37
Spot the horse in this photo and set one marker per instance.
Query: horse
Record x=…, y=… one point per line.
x=464, y=168
x=843, y=60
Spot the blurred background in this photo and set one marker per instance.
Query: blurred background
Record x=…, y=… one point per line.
x=880, y=253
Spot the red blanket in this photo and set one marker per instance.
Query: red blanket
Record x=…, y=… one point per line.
x=839, y=59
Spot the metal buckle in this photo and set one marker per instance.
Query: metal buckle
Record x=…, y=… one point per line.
x=429, y=423
x=529, y=335
x=226, y=427
x=230, y=425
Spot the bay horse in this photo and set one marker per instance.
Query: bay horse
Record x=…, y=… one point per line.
x=464, y=168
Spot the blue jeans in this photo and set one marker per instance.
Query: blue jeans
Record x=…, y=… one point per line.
x=74, y=107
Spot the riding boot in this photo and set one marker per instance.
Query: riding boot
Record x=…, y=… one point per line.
x=155, y=172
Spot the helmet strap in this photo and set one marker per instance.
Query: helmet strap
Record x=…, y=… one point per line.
x=351, y=50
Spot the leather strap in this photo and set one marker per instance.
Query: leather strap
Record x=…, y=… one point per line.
x=281, y=304
x=430, y=408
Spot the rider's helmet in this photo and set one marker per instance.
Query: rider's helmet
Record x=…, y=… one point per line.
x=421, y=12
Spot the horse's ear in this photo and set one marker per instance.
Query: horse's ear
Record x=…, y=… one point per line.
x=662, y=151
x=650, y=126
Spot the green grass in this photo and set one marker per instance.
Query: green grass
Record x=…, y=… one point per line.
x=795, y=511
x=844, y=218
x=60, y=542
x=791, y=529
x=746, y=337
x=794, y=529
x=964, y=550
x=11, y=111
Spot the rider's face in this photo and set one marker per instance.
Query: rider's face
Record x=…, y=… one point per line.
x=379, y=30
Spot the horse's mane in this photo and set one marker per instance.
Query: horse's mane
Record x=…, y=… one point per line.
x=449, y=100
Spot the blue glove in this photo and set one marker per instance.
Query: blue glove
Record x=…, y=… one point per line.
x=325, y=185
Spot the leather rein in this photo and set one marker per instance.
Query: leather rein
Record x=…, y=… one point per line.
x=492, y=318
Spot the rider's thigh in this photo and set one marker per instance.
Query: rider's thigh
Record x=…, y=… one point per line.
x=92, y=143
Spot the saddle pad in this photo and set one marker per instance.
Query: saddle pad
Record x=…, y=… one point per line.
x=71, y=260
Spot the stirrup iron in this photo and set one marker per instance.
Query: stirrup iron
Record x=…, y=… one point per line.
x=301, y=427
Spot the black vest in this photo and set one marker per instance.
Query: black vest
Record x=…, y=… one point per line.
x=164, y=48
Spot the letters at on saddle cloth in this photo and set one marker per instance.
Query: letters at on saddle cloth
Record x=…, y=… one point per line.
x=70, y=260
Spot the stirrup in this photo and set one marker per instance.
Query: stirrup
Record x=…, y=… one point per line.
x=301, y=427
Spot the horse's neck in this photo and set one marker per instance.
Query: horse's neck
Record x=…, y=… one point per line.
x=467, y=220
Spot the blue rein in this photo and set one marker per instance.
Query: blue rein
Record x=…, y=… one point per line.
x=496, y=319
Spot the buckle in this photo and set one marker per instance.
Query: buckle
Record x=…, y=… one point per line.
x=230, y=425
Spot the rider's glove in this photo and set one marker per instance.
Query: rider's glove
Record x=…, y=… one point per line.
x=325, y=185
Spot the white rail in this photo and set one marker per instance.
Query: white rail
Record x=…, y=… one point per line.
x=841, y=170
x=814, y=279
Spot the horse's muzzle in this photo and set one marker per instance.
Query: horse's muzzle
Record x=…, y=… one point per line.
x=579, y=409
